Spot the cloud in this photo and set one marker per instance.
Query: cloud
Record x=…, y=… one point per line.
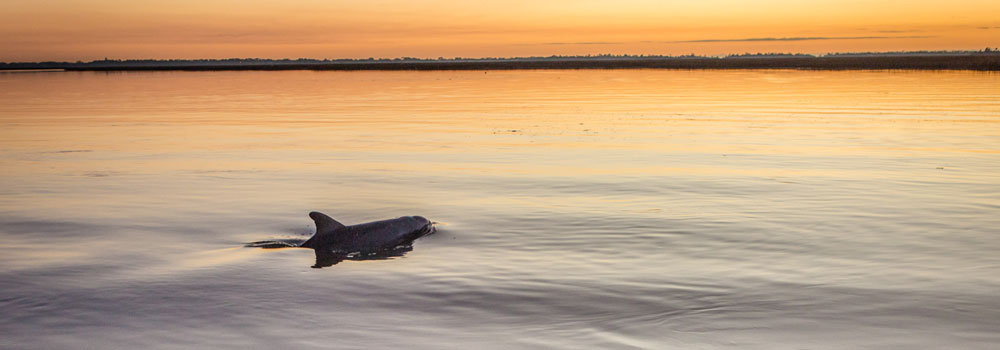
x=801, y=38
x=586, y=43
x=804, y=38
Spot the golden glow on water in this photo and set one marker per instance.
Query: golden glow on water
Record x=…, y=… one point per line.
x=97, y=126
x=622, y=109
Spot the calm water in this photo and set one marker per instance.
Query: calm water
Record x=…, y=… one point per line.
x=578, y=209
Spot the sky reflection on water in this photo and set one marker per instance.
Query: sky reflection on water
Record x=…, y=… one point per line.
x=583, y=209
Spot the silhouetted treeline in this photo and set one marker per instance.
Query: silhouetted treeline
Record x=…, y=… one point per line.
x=913, y=53
x=986, y=60
x=768, y=55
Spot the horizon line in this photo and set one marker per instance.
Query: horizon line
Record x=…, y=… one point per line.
x=602, y=55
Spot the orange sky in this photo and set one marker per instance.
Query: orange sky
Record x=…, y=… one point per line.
x=32, y=30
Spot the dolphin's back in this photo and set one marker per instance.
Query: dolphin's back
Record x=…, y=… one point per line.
x=377, y=235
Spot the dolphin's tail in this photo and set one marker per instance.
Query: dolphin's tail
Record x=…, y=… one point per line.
x=273, y=244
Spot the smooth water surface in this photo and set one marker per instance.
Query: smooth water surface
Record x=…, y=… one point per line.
x=648, y=209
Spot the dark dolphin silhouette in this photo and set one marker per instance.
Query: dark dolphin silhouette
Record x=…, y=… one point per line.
x=334, y=242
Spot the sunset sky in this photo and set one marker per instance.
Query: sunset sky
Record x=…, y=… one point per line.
x=32, y=30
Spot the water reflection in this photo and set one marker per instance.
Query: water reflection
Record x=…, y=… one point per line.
x=588, y=209
x=327, y=258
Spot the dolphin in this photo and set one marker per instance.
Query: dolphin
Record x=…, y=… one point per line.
x=334, y=242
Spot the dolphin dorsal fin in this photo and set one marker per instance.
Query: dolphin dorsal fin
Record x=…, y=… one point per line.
x=325, y=223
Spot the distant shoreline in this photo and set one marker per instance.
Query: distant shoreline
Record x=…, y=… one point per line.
x=972, y=61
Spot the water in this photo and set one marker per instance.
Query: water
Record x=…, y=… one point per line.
x=640, y=209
